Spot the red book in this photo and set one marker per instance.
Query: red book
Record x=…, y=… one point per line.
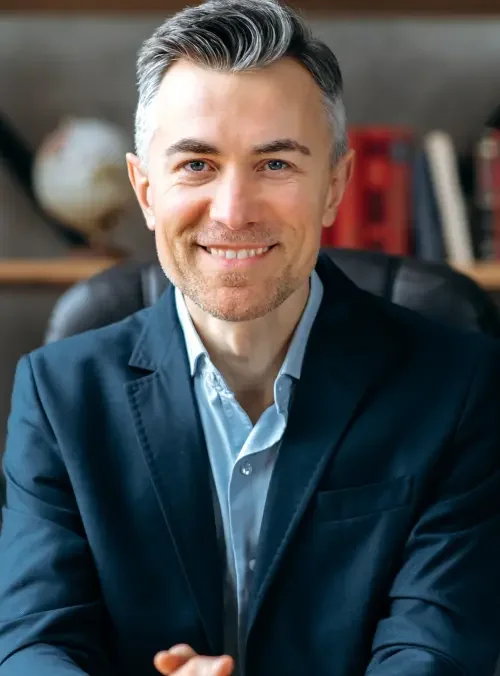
x=384, y=188
x=488, y=195
x=496, y=192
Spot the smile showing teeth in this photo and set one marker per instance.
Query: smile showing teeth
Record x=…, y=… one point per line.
x=240, y=253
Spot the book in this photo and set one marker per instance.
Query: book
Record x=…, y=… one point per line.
x=427, y=231
x=384, y=183
x=487, y=195
x=450, y=200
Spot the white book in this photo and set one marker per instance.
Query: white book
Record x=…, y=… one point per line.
x=450, y=200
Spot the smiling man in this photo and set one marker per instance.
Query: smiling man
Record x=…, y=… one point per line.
x=236, y=182
x=269, y=471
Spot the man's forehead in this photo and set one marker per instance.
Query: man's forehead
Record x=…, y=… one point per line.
x=285, y=82
x=258, y=106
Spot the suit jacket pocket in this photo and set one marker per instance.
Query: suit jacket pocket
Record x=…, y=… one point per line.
x=348, y=503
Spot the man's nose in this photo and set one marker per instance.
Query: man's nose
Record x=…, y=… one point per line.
x=234, y=203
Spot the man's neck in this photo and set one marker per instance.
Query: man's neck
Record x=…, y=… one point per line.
x=249, y=354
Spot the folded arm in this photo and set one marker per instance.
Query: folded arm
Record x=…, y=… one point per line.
x=51, y=612
x=444, y=617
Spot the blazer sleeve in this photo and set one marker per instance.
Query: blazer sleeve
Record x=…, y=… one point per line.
x=444, y=606
x=51, y=612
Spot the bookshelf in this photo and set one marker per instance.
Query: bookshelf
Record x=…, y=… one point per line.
x=67, y=271
x=324, y=7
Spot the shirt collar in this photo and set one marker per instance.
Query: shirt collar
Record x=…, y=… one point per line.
x=292, y=364
x=195, y=348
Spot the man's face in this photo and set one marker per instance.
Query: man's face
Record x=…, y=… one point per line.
x=239, y=184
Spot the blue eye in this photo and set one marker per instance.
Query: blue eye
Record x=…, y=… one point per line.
x=196, y=166
x=276, y=165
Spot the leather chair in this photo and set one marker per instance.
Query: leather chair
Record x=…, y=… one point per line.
x=435, y=290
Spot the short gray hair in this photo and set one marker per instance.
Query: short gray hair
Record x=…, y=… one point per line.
x=235, y=36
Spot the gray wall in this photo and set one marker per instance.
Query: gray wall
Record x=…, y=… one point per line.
x=422, y=73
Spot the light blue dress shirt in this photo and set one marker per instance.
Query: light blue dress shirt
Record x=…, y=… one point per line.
x=242, y=455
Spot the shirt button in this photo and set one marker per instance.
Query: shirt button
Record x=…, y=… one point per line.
x=251, y=564
x=211, y=378
x=246, y=469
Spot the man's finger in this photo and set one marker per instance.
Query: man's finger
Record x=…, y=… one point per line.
x=175, y=662
x=225, y=666
x=169, y=661
x=208, y=666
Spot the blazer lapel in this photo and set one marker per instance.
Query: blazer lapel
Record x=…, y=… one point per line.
x=169, y=432
x=347, y=354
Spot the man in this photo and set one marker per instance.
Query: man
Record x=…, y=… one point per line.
x=270, y=471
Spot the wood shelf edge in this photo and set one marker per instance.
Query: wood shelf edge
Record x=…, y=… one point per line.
x=485, y=274
x=48, y=271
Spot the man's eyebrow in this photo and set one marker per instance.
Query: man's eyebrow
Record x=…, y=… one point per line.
x=191, y=145
x=282, y=145
x=198, y=147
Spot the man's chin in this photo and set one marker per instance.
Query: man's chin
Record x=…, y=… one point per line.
x=235, y=305
x=231, y=313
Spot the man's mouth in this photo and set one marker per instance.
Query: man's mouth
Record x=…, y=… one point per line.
x=239, y=253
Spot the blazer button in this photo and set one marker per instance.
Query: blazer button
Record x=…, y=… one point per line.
x=246, y=468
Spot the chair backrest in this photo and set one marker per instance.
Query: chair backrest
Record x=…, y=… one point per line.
x=435, y=290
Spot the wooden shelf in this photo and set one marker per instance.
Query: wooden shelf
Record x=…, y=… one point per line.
x=333, y=7
x=58, y=271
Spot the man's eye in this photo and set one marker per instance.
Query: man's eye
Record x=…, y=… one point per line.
x=277, y=165
x=195, y=166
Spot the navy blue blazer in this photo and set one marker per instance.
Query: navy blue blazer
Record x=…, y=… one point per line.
x=380, y=546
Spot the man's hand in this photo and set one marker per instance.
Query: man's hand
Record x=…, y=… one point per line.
x=182, y=660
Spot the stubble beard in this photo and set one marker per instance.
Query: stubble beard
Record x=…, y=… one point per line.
x=203, y=293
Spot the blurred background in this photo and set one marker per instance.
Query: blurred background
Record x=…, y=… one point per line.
x=422, y=87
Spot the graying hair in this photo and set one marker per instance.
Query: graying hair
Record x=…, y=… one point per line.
x=235, y=36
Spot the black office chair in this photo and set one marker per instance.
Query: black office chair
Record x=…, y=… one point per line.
x=436, y=291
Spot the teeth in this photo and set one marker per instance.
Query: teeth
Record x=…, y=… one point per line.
x=241, y=253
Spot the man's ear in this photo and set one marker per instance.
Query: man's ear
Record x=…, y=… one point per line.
x=140, y=183
x=341, y=175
